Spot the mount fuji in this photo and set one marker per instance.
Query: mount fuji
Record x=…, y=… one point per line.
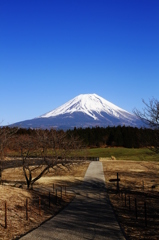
x=85, y=110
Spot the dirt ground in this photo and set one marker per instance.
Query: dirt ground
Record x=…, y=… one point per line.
x=140, y=181
x=41, y=205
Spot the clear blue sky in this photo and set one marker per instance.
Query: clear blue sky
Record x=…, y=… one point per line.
x=54, y=50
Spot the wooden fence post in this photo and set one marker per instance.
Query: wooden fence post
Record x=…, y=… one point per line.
x=129, y=204
x=39, y=206
x=27, y=209
x=61, y=193
x=136, y=208
x=56, y=196
x=49, y=199
x=5, y=214
x=145, y=214
x=117, y=183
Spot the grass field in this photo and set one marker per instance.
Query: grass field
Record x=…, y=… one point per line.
x=120, y=153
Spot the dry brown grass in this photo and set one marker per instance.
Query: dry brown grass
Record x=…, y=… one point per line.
x=16, y=198
x=138, y=180
x=73, y=174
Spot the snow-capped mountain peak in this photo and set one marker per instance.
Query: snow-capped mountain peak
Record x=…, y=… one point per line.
x=85, y=110
x=89, y=104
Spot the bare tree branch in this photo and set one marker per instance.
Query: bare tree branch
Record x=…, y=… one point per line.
x=52, y=149
x=150, y=117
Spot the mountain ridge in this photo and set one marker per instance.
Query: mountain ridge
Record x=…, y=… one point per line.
x=85, y=110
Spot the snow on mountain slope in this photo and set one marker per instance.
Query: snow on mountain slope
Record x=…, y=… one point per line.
x=90, y=104
x=85, y=110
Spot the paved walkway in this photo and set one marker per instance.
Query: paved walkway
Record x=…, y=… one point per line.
x=89, y=216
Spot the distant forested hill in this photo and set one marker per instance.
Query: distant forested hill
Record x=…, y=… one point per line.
x=120, y=136
x=115, y=136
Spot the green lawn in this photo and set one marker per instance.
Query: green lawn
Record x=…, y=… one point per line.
x=122, y=153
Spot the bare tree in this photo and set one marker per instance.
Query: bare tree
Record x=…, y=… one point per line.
x=6, y=134
x=150, y=114
x=44, y=151
x=150, y=117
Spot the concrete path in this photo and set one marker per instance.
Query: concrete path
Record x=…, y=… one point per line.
x=89, y=216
